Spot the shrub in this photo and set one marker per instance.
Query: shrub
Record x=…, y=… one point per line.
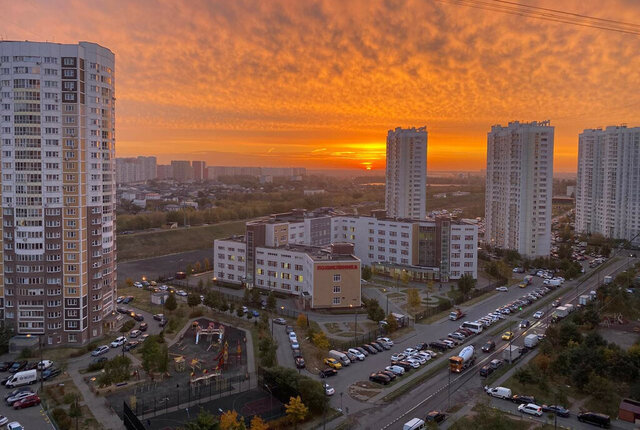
x=25, y=353
x=69, y=398
x=94, y=367
x=61, y=418
x=128, y=325
x=196, y=313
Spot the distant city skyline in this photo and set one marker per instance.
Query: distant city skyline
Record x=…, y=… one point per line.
x=318, y=84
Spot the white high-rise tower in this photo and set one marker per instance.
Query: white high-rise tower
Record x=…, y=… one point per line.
x=57, y=129
x=608, y=183
x=406, y=175
x=519, y=187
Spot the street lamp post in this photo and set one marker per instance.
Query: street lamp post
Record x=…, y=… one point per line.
x=387, y=296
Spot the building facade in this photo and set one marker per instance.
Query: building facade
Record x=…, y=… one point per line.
x=57, y=127
x=182, y=170
x=200, y=172
x=140, y=169
x=519, y=187
x=608, y=183
x=406, y=174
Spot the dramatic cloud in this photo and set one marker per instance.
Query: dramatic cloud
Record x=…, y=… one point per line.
x=319, y=83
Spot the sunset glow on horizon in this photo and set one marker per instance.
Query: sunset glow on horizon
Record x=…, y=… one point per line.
x=318, y=84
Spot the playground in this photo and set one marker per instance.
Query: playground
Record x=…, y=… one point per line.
x=209, y=359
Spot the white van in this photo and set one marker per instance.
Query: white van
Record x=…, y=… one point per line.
x=22, y=378
x=414, y=424
x=499, y=392
x=342, y=358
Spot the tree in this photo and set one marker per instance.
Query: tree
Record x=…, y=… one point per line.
x=75, y=411
x=5, y=335
x=255, y=296
x=200, y=284
x=258, y=423
x=271, y=301
x=115, y=370
x=465, y=284
x=239, y=312
x=189, y=269
x=212, y=300
x=320, y=340
x=366, y=273
x=392, y=323
x=197, y=267
x=246, y=298
x=267, y=348
x=374, y=311
x=207, y=264
x=129, y=282
x=230, y=421
x=302, y=320
x=155, y=354
x=171, y=304
x=413, y=298
x=430, y=290
x=204, y=421
x=296, y=410
x=193, y=300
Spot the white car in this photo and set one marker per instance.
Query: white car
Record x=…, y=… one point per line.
x=456, y=335
x=395, y=369
x=531, y=409
x=137, y=284
x=245, y=309
x=295, y=345
x=410, y=351
x=182, y=293
x=424, y=355
x=43, y=365
x=14, y=425
x=503, y=289
x=3, y=420
x=328, y=389
x=385, y=340
x=118, y=342
x=398, y=357
x=163, y=288
x=293, y=336
x=449, y=343
x=360, y=356
x=420, y=359
x=538, y=315
x=413, y=362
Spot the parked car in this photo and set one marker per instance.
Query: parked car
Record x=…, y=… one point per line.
x=594, y=418
x=131, y=345
x=16, y=391
x=389, y=373
x=120, y=299
x=380, y=378
x=325, y=373
x=531, y=409
x=120, y=340
x=143, y=326
x=398, y=356
x=163, y=322
x=414, y=363
x=32, y=400
x=398, y=370
x=404, y=364
x=144, y=337
x=502, y=289
x=499, y=392
x=357, y=354
x=293, y=337
x=522, y=399
x=300, y=364
x=558, y=410
x=181, y=293
x=436, y=417
x=289, y=329
x=333, y=363
x=14, y=425
x=370, y=348
x=295, y=345
x=255, y=314
x=386, y=340
x=362, y=350
x=31, y=365
x=5, y=365
x=378, y=347
x=158, y=317
x=135, y=333
x=280, y=321
x=17, y=366
x=137, y=317
x=489, y=346
x=18, y=396
x=51, y=373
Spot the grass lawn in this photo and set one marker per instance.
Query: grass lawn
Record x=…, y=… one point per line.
x=61, y=394
x=155, y=243
x=332, y=328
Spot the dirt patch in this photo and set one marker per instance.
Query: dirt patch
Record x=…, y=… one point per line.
x=333, y=328
x=622, y=335
x=364, y=390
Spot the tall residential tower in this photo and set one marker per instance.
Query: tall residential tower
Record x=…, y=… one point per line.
x=57, y=128
x=608, y=185
x=406, y=175
x=519, y=187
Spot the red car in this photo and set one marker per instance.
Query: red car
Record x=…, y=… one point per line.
x=27, y=402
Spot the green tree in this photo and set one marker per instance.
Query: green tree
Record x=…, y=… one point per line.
x=155, y=354
x=239, y=312
x=75, y=411
x=271, y=301
x=212, y=300
x=5, y=335
x=392, y=323
x=189, y=269
x=193, y=300
x=267, y=351
x=115, y=370
x=413, y=298
x=366, y=273
x=246, y=298
x=465, y=285
x=171, y=304
x=200, y=284
x=374, y=311
x=204, y=421
x=296, y=410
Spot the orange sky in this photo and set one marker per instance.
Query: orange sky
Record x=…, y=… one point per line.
x=318, y=84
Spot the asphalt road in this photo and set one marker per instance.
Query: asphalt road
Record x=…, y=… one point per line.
x=391, y=415
x=164, y=265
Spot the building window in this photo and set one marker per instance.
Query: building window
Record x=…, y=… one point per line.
x=336, y=288
x=336, y=300
x=336, y=278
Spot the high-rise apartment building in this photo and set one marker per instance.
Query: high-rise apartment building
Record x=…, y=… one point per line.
x=608, y=185
x=406, y=183
x=199, y=170
x=139, y=169
x=57, y=128
x=182, y=170
x=519, y=187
